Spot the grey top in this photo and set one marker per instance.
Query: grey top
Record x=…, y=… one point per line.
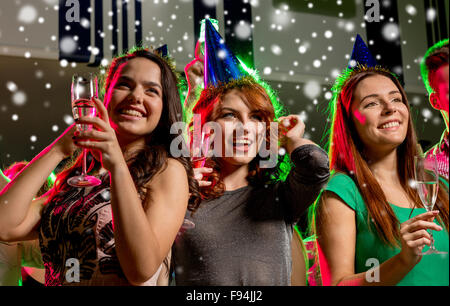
x=244, y=237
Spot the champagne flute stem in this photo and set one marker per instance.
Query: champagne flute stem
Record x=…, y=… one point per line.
x=84, y=162
x=432, y=240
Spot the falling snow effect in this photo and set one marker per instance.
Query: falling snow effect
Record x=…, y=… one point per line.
x=12, y=87
x=19, y=98
x=411, y=10
x=391, y=32
x=243, y=30
x=312, y=89
x=300, y=54
x=68, y=45
x=27, y=14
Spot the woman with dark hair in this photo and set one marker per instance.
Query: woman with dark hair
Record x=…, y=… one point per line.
x=244, y=226
x=120, y=232
x=369, y=215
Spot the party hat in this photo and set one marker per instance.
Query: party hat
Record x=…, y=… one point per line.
x=221, y=65
x=162, y=51
x=361, y=55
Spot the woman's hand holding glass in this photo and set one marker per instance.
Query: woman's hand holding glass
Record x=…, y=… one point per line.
x=414, y=236
x=101, y=139
x=426, y=175
x=83, y=88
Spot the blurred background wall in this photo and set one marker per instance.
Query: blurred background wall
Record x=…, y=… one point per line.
x=298, y=46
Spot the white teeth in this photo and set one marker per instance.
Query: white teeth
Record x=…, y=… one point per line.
x=390, y=125
x=243, y=142
x=131, y=112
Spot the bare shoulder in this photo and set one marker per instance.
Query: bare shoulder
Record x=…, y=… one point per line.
x=175, y=166
x=173, y=175
x=169, y=187
x=174, y=169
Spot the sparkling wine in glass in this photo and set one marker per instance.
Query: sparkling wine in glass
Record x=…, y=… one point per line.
x=84, y=88
x=187, y=225
x=427, y=185
x=200, y=151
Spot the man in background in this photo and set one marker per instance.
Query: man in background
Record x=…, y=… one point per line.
x=434, y=68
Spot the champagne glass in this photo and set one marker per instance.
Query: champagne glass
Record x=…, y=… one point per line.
x=200, y=150
x=84, y=88
x=187, y=224
x=427, y=185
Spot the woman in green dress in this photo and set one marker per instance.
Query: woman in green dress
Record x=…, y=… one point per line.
x=371, y=225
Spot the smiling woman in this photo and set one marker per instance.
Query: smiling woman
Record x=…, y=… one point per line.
x=369, y=211
x=382, y=116
x=135, y=104
x=118, y=233
x=243, y=228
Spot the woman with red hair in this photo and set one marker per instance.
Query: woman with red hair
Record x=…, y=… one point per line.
x=369, y=216
x=243, y=228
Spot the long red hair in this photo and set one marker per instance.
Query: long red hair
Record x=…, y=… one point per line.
x=345, y=152
x=208, y=107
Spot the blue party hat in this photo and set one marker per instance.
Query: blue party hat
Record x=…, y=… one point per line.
x=162, y=51
x=361, y=55
x=221, y=65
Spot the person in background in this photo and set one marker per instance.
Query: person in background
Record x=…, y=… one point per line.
x=21, y=263
x=434, y=68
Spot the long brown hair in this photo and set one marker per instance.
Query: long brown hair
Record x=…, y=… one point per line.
x=345, y=151
x=147, y=162
x=255, y=97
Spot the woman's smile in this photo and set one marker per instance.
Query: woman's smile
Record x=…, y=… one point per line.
x=131, y=112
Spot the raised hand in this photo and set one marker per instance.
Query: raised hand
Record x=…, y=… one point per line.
x=194, y=73
x=291, y=131
x=195, y=77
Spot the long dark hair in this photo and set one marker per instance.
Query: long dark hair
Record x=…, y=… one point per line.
x=151, y=159
x=345, y=152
